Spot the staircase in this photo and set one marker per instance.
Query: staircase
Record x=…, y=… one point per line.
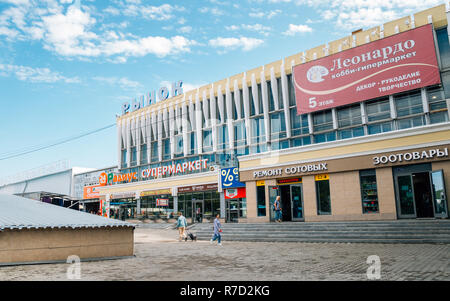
x=400, y=231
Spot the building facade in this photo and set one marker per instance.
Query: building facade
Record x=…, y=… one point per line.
x=384, y=157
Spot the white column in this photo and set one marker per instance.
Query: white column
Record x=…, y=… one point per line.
x=172, y=131
x=285, y=95
x=334, y=116
x=119, y=142
x=185, y=127
x=425, y=105
x=237, y=99
x=246, y=103
x=265, y=102
x=220, y=104
x=199, y=125
x=255, y=95
x=392, y=105
x=274, y=86
x=213, y=108
x=206, y=109
x=160, y=129
x=148, y=122
x=138, y=140
x=229, y=116
x=128, y=137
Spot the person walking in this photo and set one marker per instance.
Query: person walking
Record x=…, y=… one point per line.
x=181, y=225
x=277, y=208
x=217, y=231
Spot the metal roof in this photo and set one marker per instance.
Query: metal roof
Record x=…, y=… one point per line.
x=19, y=213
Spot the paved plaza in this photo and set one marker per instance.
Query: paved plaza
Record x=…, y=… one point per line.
x=159, y=256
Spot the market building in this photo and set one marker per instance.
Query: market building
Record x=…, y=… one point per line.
x=356, y=129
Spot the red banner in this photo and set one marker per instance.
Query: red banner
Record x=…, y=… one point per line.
x=91, y=192
x=394, y=64
x=235, y=193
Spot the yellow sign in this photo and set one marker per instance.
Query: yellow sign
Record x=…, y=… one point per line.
x=322, y=177
x=157, y=192
x=260, y=183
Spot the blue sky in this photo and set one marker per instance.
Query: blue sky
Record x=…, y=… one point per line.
x=66, y=66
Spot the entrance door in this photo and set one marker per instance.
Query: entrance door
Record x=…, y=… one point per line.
x=232, y=211
x=297, y=202
x=197, y=211
x=286, y=203
x=422, y=194
x=439, y=194
x=405, y=196
x=273, y=193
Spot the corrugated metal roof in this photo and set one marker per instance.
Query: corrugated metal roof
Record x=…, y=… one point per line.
x=18, y=213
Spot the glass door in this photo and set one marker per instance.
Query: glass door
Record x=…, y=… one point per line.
x=273, y=193
x=197, y=211
x=405, y=197
x=232, y=211
x=439, y=194
x=297, y=202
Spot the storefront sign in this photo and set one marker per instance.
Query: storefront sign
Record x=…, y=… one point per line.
x=91, y=192
x=292, y=170
x=289, y=181
x=162, y=202
x=411, y=156
x=163, y=94
x=260, y=183
x=204, y=187
x=157, y=192
x=391, y=65
x=321, y=177
x=230, y=177
x=235, y=193
x=175, y=169
x=110, y=178
x=124, y=195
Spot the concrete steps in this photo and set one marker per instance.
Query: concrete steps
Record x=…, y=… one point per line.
x=410, y=231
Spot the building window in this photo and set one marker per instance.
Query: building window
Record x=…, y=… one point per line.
x=444, y=47
x=193, y=143
x=369, y=192
x=350, y=133
x=179, y=152
x=207, y=141
x=299, y=124
x=291, y=91
x=279, y=144
x=124, y=158
x=133, y=156
x=261, y=200
x=323, y=121
x=143, y=154
x=325, y=137
x=166, y=149
x=155, y=157
x=323, y=196
x=379, y=128
x=299, y=141
x=222, y=139
x=378, y=110
x=437, y=105
x=239, y=133
x=258, y=130
x=277, y=125
x=349, y=116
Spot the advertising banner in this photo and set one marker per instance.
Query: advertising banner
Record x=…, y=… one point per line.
x=230, y=177
x=235, y=193
x=162, y=202
x=398, y=63
x=91, y=192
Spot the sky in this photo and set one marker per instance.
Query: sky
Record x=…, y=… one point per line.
x=66, y=66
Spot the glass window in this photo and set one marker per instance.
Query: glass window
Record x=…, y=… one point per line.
x=133, y=156
x=410, y=122
x=300, y=141
x=444, y=47
x=239, y=133
x=277, y=125
x=350, y=133
x=261, y=200
x=291, y=91
x=280, y=93
x=439, y=117
x=144, y=154
x=322, y=121
x=379, y=128
x=437, y=105
x=222, y=139
x=124, y=158
x=378, y=110
x=299, y=124
x=207, y=140
x=276, y=145
x=193, y=143
x=323, y=197
x=349, y=116
x=408, y=104
x=369, y=192
x=155, y=157
x=270, y=95
x=258, y=130
x=179, y=152
x=252, y=104
x=325, y=137
x=166, y=149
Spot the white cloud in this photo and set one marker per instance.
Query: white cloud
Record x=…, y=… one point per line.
x=264, y=30
x=185, y=29
x=123, y=82
x=35, y=75
x=353, y=14
x=211, y=10
x=294, y=29
x=269, y=15
x=246, y=44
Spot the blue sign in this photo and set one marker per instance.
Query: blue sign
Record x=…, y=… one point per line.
x=230, y=178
